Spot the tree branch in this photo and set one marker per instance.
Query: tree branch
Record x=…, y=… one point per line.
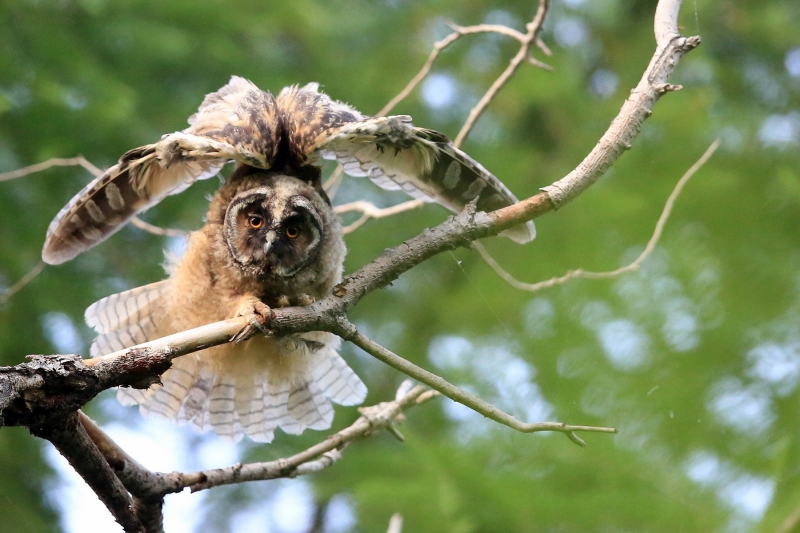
x=373, y=418
x=527, y=41
x=23, y=282
x=157, y=230
x=634, y=265
x=50, y=163
x=71, y=440
x=149, y=488
x=348, y=332
x=368, y=211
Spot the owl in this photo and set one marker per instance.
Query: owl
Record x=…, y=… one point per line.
x=271, y=239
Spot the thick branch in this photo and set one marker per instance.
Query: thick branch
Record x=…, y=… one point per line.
x=139, y=481
x=671, y=47
x=71, y=440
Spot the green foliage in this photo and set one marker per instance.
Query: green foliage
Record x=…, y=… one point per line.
x=695, y=358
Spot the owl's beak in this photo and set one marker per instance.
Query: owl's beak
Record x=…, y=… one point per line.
x=271, y=237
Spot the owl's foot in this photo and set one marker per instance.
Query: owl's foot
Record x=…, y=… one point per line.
x=260, y=312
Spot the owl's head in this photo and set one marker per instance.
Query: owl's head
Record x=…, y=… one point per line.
x=277, y=229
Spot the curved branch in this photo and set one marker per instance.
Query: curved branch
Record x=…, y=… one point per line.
x=373, y=418
x=22, y=282
x=634, y=265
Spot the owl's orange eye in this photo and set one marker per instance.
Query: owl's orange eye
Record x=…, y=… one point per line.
x=255, y=222
x=292, y=232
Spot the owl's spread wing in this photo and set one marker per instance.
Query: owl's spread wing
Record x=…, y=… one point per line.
x=237, y=123
x=127, y=318
x=394, y=154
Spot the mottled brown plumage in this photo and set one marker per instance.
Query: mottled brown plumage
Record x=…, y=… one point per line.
x=242, y=123
x=266, y=382
x=271, y=238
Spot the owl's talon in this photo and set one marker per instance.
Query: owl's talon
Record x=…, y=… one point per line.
x=261, y=313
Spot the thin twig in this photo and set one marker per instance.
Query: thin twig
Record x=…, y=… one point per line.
x=310, y=460
x=440, y=45
x=349, y=332
x=23, y=281
x=368, y=211
x=526, y=40
x=580, y=273
x=331, y=185
x=534, y=27
x=50, y=163
x=157, y=230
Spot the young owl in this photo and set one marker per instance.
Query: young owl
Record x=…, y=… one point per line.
x=271, y=239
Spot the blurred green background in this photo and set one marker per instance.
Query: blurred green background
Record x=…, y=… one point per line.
x=695, y=358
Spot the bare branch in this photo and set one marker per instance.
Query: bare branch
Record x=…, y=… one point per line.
x=157, y=230
x=671, y=47
x=580, y=273
x=349, y=332
x=438, y=46
x=145, y=486
x=149, y=488
x=310, y=460
x=23, y=281
x=71, y=440
x=50, y=163
x=331, y=185
x=368, y=211
x=137, y=479
x=527, y=41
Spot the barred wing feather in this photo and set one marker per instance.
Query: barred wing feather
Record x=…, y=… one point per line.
x=396, y=155
x=237, y=123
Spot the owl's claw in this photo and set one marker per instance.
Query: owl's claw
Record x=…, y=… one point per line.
x=261, y=314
